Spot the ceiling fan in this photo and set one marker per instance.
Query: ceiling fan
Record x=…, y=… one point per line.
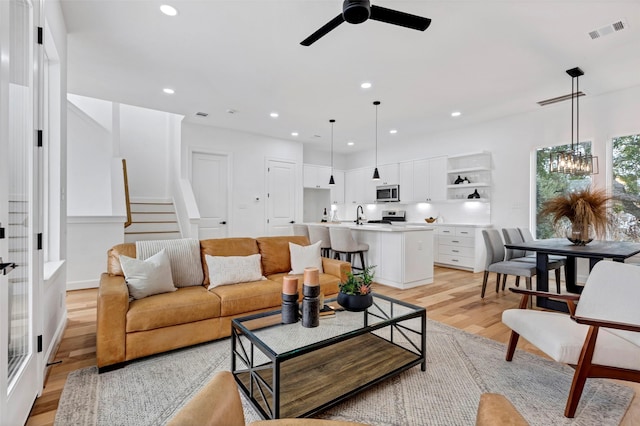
x=358, y=11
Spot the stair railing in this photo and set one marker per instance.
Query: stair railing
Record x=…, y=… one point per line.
x=126, y=192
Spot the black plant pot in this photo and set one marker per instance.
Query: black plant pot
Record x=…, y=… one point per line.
x=355, y=302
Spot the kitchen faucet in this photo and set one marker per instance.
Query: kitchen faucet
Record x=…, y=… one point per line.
x=359, y=209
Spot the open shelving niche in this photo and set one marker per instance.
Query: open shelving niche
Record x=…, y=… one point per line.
x=476, y=167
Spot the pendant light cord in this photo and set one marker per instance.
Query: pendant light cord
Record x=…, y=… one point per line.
x=572, y=101
x=332, y=121
x=577, y=113
x=376, y=104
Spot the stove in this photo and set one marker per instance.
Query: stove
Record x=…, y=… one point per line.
x=390, y=216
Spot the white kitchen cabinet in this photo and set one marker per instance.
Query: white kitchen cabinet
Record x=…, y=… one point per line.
x=476, y=168
x=460, y=247
x=402, y=259
x=316, y=176
x=388, y=174
x=359, y=187
x=338, y=189
x=423, y=180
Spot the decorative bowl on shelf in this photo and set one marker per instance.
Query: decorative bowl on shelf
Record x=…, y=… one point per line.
x=430, y=219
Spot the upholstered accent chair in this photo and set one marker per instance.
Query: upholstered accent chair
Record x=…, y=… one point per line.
x=600, y=337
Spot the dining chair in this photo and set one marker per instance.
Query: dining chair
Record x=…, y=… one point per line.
x=496, y=262
x=342, y=242
x=601, y=336
x=320, y=233
x=514, y=236
x=301, y=230
x=527, y=236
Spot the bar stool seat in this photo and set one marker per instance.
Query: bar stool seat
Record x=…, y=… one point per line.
x=301, y=230
x=320, y=233
x=342, y=242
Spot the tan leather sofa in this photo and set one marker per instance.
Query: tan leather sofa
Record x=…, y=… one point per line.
x=128, y=330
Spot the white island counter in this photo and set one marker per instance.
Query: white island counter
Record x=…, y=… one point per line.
x=402, y=254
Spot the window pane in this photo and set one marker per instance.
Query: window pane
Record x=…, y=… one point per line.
x=626, y=188
x=549, y=185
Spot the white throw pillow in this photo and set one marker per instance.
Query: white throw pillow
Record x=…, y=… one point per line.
x=304, y=257
x=148, y=277
x=225, y=270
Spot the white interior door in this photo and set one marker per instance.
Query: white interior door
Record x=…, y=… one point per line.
x=209, y=180
x=281, y=197
x=18, y=360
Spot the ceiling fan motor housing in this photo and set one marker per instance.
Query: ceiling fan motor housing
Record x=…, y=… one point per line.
x=356, y=11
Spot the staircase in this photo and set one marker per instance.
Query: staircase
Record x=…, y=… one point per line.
x=152, y=221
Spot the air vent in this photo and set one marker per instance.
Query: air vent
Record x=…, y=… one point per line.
x=202, y=114
x=559, y=99
x=608, y=29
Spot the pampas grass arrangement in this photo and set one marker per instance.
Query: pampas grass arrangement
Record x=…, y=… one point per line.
x=582, y=208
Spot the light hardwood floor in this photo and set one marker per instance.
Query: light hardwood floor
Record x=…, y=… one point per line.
x=453, y=299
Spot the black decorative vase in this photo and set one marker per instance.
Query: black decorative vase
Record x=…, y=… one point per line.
x=355, y=302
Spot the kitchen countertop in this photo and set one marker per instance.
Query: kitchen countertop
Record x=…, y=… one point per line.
x=379, y=227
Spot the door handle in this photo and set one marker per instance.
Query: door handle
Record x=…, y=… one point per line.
x=293, y=221
x=224, y=222
x=7, y=267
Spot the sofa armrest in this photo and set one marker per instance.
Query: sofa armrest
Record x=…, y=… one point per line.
x=113, y=304
x=336, y=267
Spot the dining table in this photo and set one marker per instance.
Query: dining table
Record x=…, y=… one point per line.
x=595, y=251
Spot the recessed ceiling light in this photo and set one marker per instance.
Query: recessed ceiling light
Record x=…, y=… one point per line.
x=456, y=114
x=274, y=115
x=351, y=143
x=168, y=10
x=393, y=131
x=168, y=91
x=294, y=133
x=366, y=85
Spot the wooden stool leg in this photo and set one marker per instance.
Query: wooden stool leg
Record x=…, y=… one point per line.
x=362, y=260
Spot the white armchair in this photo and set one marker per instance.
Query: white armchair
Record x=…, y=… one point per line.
x=600, y=338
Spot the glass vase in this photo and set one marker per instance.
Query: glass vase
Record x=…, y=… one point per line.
x=581, y=234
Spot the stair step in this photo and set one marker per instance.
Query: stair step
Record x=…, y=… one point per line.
x=152, y=207
x=153, y=217
x=137, y=227
x=145, y=236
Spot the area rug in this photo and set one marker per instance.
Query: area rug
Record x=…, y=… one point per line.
x=460, y=367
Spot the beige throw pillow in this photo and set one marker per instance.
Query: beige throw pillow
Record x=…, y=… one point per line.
x=147, y=277
x=224, y=270
x=305, y=256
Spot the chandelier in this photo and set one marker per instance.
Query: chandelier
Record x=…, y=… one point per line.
x=576, y=161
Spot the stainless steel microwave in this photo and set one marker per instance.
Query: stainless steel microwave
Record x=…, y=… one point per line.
x=387, y=193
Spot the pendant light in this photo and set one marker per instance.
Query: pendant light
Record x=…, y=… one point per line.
x=376, y=175
x=331, y=180
x=574, y=162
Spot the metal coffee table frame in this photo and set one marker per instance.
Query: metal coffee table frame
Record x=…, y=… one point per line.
x=303, y=380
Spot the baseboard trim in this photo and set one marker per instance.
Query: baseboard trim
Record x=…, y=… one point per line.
x=81, y=285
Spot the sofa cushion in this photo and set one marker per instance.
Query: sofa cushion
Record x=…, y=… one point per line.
x=225, y=247
x=246, y=297
x=113, y=257
x=275, y=253
x=305, y=257
x=328, y=283
x=184, y=256
x=148, y=277
x=225, y=270
x=187, y=304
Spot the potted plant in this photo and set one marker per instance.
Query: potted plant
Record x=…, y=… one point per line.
x=586, y=209
x=355, y=292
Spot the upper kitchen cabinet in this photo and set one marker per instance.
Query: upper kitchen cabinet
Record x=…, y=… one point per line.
x=359, y=186
x=316, y=176
x=423, y=180
x=388, y=174
x=337, y=190
x=469, y=176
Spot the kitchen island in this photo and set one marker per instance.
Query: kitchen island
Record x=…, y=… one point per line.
x=402, y=254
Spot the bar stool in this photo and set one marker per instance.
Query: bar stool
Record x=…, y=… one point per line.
x=320, y=233
x=301, y=230
x=342, y=241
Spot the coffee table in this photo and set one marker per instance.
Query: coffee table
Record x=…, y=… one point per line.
x=287, y=370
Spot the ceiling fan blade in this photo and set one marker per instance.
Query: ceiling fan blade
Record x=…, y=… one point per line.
x=395, y=17
x=332, y=24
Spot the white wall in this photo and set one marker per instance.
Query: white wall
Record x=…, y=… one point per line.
x=512, y=140
x=248, y=181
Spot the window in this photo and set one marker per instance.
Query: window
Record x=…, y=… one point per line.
x=626, y=188
x=549, y=185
